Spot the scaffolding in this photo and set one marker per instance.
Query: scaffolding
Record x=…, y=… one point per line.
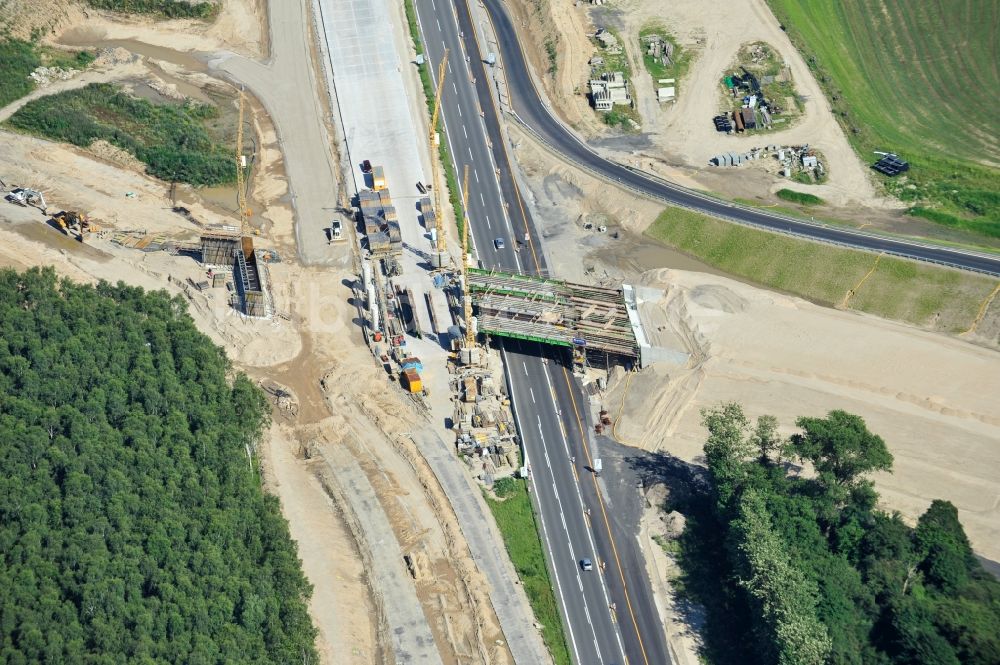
x=230, y=251
x=250, y=286
x=218, y=249
x=553, y=312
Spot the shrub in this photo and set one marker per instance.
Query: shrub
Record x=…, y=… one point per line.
x=799, y=197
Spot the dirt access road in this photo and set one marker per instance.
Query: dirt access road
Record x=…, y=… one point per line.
x=287, y=87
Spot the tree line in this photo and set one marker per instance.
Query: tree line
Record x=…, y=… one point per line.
x=133, y=526
x=796, y=565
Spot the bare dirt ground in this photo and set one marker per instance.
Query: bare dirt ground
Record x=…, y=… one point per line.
x=238, y=27
x=932, y=398
x=310, y=349
x=681, y=134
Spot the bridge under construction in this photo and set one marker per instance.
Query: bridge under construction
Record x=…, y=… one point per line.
x=555, y=312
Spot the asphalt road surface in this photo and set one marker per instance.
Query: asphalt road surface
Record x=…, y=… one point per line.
x=534, y=113
x=609, y=614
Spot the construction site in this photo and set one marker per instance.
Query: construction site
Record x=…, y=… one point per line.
x=348, y=296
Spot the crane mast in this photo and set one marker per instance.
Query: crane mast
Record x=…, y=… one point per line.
x=439, y=258
x=470, y=336
x=241, y=199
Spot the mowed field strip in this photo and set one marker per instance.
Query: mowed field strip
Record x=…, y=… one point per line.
x=916, y=78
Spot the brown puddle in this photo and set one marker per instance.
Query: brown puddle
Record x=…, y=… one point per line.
x=90, y=38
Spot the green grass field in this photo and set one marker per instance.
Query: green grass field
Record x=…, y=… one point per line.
x=516, y=522
x=938, y=298
x=919, y=79
x=19, y=58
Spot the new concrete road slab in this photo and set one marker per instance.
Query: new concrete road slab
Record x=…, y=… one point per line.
x=288, y=89
x=367, y=55
x=409, y=631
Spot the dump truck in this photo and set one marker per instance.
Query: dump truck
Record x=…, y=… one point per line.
x=410, y=380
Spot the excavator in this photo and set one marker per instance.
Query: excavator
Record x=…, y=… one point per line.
x=25, y=197
x=74, y=224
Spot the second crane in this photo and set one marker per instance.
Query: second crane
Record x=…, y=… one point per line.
x=440, y=258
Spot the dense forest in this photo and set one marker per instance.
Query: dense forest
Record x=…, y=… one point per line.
x=133, y=527
x=803, y=569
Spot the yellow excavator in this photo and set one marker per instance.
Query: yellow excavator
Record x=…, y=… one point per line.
x=74, y=224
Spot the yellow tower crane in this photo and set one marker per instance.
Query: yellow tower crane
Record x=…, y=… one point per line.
x=241, y=198
x=439, y=259
x=470, y=336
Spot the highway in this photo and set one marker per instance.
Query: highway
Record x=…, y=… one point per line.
x=552, y=414
x=535, y=115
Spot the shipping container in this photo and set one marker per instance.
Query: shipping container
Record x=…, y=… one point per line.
x=410, y=380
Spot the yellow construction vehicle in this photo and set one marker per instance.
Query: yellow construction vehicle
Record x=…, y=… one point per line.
x=440, y=254
x=470, y=334
x=74, y=224
x=246, y=230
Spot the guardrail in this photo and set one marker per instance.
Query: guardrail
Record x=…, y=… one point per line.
x=748, y=223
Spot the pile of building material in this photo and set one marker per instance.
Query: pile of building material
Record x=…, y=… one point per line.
x=609, y=42
x=381, y=222
x=485, y=434
x=610, y=89
x=660, y=49
x=44, y=76
x=891, y=164
x=791, y=159
x=756, y=109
